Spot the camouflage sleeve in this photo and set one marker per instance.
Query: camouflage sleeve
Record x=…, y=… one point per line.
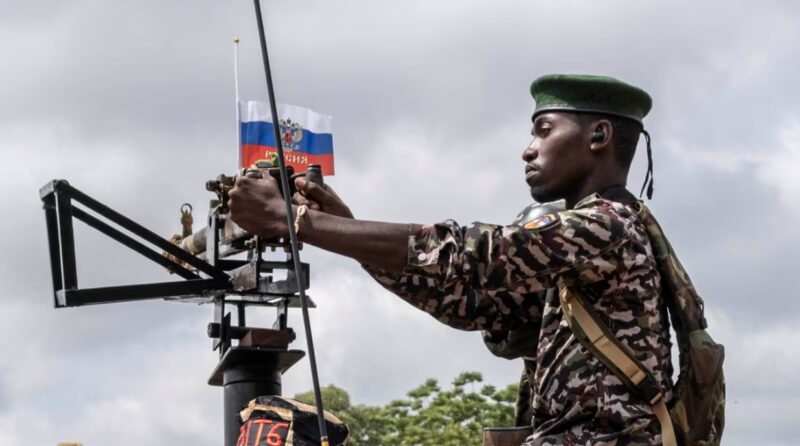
x=491, y=277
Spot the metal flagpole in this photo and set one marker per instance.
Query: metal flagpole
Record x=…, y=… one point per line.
x=323, y=431
x=238, y=105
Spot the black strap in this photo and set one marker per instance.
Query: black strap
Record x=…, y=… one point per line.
x=648, y=179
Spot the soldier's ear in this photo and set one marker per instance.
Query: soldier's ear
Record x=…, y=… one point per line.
x=602, y=134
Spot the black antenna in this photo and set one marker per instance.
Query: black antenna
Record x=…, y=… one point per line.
x=323, y=431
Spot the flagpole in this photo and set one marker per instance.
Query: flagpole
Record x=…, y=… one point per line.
x=295, y=244
x=238, y=106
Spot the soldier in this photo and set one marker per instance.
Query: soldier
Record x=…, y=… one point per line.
x=494, y=277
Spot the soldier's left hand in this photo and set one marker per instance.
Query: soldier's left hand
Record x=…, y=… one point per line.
x=320, y=198
x=258, y=207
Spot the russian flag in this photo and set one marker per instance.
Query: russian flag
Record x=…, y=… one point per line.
x=306, y=136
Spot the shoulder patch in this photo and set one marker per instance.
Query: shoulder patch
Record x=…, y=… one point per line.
x=543, y=222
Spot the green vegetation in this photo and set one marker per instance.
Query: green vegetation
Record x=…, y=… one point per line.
x=429, y=416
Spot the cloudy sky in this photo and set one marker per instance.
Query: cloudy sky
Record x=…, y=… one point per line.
x=132, y=102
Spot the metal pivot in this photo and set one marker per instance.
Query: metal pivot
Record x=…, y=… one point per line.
x=290, y=223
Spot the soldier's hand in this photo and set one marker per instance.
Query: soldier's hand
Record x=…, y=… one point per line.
x=258, y=207
x=322, y=198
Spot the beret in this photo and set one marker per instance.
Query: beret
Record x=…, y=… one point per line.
x=592, y=94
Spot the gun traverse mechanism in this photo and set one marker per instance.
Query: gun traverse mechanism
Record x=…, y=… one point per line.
x=220, y=264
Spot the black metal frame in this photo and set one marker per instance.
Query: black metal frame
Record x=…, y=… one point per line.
x=244, y=372
x=214, y=279
x=213, y=275
x=59, y=199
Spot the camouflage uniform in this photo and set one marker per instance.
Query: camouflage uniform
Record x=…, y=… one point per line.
x=496, y=278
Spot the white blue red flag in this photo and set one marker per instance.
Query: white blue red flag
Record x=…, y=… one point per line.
x=306, y=136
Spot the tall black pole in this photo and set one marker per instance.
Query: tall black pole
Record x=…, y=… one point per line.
x=323, y=431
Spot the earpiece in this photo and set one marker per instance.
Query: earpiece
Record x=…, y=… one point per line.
x=598, y=136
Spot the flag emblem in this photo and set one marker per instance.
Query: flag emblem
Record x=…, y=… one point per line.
x=291, y=134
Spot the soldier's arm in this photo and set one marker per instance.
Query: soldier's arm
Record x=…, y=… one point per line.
x=479, y=276
x=421, y=295
x=257, y=206
x=474, y=277
x=383, y=245
x=492, y=277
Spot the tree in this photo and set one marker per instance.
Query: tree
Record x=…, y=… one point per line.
x=368, y=424
x=429, y=416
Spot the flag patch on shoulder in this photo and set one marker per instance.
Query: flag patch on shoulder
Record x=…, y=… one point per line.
x=546, y=221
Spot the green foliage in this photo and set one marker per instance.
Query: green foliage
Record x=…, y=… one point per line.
x=334, y=399
x=429, y=416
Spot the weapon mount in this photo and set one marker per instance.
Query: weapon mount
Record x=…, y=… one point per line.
x=252, y=359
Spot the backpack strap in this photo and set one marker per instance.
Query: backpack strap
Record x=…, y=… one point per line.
x=594, y=335
x=685, y=305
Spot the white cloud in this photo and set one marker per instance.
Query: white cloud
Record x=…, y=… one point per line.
x=760, y=368
x=774, y=163
x=779, y=168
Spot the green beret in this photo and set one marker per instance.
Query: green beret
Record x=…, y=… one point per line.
x=594, y=94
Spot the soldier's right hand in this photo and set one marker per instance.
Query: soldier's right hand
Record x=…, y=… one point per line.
x=322, y=198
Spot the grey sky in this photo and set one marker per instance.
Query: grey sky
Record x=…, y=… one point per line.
x=133, y=103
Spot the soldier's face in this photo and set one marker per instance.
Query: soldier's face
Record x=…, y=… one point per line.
x=558, y=160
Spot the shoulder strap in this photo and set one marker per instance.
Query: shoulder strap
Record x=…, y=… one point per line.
x=685, y=305
x=593, y=334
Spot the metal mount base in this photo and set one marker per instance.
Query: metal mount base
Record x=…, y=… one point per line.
x=246, y=373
